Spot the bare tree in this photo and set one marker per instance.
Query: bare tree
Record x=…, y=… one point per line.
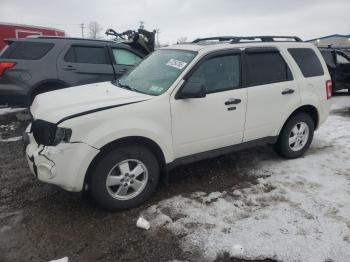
x=181, y=40
x=94, y=29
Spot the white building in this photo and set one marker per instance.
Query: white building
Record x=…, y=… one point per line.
x=335, y=40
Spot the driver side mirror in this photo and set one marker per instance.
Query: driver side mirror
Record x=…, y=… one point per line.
x=191, y=90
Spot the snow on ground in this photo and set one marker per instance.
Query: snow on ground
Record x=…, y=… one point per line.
x=11, y=139
x=65, y=259
x=341, y=102
x=8, y=110
x=298, y=211
x=5, y=130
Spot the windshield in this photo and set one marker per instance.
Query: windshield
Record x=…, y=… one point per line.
x=155, y=74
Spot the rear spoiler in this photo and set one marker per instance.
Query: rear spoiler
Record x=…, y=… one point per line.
x=10, y=40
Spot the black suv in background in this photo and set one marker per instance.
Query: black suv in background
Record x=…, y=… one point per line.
x=338, y=63
x=31, y=66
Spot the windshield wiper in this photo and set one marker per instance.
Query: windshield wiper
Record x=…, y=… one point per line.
x=118, y=84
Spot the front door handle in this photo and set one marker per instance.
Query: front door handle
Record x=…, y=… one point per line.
x=233, y=101
x=287, y=91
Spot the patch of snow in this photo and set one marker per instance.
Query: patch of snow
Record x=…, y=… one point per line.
x=298, y=211
x=212, y=197
x=64, y=259
x=11, y=139
x=340, y=102
x=8, y=110
x=237, y=250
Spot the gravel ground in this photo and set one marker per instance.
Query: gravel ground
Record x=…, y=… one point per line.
x=40, y=222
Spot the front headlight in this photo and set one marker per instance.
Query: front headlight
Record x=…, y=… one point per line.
x=49, y=134
x=62, y=135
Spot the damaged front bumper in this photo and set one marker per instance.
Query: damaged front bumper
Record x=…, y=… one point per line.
x=64, y=165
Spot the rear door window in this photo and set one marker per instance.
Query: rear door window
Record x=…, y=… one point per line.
x=27, y=50
x=307, y=61
x=125, y=57
x=266, y=68
x=87, y=54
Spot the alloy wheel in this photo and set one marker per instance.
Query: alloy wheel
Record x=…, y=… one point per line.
x=298, y=136
x=127, y=179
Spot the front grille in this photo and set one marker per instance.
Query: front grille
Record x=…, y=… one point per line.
x=44, y=132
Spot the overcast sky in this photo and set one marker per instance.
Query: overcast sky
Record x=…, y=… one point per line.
x=189, y=18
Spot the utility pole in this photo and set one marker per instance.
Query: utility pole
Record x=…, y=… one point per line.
x=82, y=29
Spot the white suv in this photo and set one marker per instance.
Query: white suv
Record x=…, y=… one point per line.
x=183, y=103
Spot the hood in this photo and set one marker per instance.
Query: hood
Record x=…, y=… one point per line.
x=79, y=100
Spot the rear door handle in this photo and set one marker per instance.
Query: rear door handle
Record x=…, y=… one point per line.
x=287, y=91
x=71, y=68
x=233, y=101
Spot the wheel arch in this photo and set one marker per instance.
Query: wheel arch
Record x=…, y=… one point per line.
x=45, y=83
x=139, y=140
x=308, y=109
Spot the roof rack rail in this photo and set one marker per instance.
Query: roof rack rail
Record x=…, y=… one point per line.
x=218, y=38
x=72, y=38
x=238, y=39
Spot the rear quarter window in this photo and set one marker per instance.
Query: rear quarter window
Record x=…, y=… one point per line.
x=27, y=50
x=307, y=61
x=328, y=57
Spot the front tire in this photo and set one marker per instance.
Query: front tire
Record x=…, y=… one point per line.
x=296, y=136
x=124, y=178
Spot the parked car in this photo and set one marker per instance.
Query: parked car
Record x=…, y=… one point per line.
x=182, y=104
x=338, y=63
x=30, y=66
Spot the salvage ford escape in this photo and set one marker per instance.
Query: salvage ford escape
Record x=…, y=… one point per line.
x=183, y=103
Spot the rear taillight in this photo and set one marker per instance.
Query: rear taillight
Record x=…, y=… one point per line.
x=329, y=89
x=5, y=65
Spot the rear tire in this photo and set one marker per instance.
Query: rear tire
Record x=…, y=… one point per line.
x=124, y=178
x=296, y=136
